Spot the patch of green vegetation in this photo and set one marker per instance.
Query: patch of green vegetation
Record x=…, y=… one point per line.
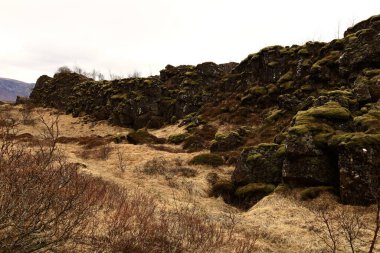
x=281, y=150
x=358, y=139
x=273, y=64
x=168, y=100
x=142, y=136
x=254, y=56
x=368, y=121
x=310, y=127
x=271, y=48
x=258, y=90
x=287, y=85
x=303, y=51
x=371, y=72
x=148, y=82
x=364, y=32
x=190, y=82
x=286, y=77
x=255, y=188
x=336, y=92
x=120, y=96
x=272, y=89
x=274, y=115
x=118, y=138
x=177, y=138
x=190, y=73
x=246, y=99
x=314, y=192
x=213, y=160
x=306, y=63
x=331, y=110
x=306, y=87
x=328, y=60
x=322, y=139
x=253, y=157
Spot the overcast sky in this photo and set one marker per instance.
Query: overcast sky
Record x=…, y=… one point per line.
x=123, y=36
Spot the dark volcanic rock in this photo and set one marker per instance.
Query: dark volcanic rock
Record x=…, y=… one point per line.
x=226, y=142
x=259, y=164
x=306, y=164
x=359, y=167
x=312, y=99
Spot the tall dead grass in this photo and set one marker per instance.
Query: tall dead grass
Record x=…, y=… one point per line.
x=49, y=205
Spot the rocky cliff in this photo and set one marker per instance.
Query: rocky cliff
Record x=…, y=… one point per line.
x=303, y=115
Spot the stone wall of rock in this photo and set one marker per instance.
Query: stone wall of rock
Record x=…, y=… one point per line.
x=329, y=92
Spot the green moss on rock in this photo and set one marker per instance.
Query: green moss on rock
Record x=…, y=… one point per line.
x=286, y=77
x=142, y=136
x=254, y=157
x=314, y=192
x=177, y=138
x=358, y=139
x=213, y=160
x=254, y=188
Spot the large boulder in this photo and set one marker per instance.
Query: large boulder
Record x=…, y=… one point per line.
x=227, y=142
x=361, y=46
x=308, y=161
x=259, y=164
x=359, y=167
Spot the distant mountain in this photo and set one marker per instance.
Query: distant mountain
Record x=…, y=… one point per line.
x=10, y=89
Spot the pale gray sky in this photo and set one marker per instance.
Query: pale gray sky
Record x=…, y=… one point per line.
x=121, y=36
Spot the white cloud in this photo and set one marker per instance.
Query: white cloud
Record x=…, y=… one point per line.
x=36, y=37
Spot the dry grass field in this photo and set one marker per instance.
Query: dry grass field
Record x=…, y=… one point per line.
x=279, y=223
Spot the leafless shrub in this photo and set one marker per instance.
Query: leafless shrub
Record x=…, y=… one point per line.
x=121, y=163
x=103, y=152
x=45, y=204
x=345, y=229
x=135, y=74
x=113, y=76
x=140, y=225
x=63, y=69
x=26, y=114
x=155, y=166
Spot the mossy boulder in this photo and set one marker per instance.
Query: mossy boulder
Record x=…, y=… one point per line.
x=359, y=167
x=213, y=160
x=308, y=158
x=194, y=143
x=261, y=163
x=178, y=138
x=142, y=136
x=226, y=142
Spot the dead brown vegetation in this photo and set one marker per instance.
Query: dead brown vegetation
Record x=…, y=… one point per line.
x=48, y=205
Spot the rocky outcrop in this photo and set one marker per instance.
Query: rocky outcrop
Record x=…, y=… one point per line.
x=318, y=103
x=260, y=164
x=133, y=102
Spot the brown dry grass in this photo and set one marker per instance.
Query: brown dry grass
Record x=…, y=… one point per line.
x=284, y=223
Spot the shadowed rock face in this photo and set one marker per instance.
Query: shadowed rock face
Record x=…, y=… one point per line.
x=311, y=100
